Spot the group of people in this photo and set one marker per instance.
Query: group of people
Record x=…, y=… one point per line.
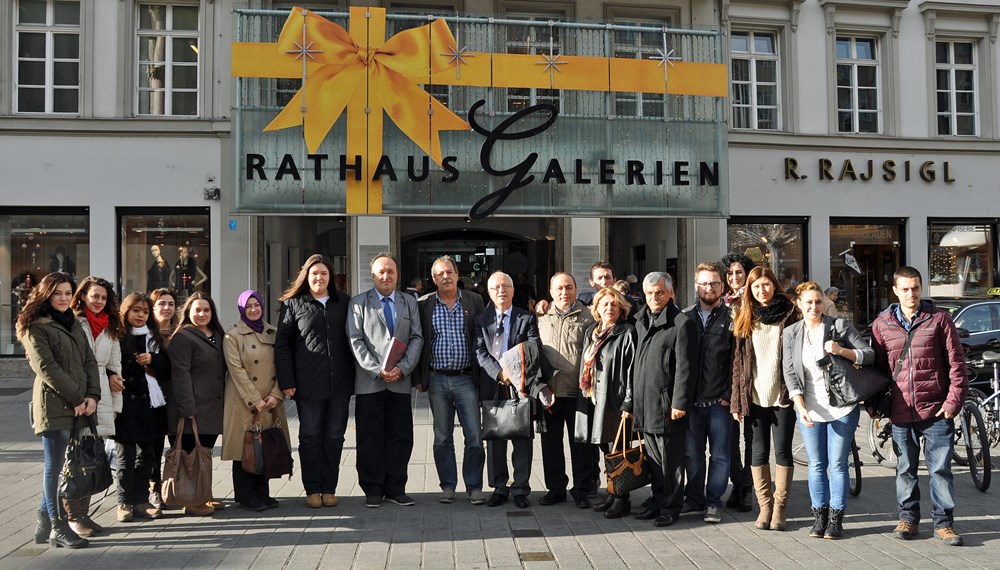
x=741, y=360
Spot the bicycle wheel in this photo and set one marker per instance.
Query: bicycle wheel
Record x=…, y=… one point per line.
x=799, y=455
x=990, y=412
x=854, y=469
x=977, y=446
x=880, y=442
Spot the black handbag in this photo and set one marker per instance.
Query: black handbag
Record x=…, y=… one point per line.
x=849, y=383
x=507, y=419
x=880, y=405
x=265, y=451
x=86, y=471
x=628, y=469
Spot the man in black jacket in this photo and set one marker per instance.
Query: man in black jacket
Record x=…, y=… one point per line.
x=661, y=393
x=447, y=371
x=709, y=418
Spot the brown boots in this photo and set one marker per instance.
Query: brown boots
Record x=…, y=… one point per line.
x=78, y=516
x=782, y=485
x=772, y=504
x=765, y=499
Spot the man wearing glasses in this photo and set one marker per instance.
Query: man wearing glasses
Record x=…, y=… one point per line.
x=497, y=329
x=709, y=417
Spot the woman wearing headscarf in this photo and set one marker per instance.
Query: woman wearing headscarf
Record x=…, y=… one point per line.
x=759, y=393
x=66, y=386
x=252, y=388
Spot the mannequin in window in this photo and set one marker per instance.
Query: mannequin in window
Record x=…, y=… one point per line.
x=61, y=262
x=160, y=273
x=187, y=273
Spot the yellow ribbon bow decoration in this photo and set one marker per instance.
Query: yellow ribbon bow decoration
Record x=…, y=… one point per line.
x=379, y=77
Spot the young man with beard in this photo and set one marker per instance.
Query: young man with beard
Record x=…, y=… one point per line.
x=709, y=420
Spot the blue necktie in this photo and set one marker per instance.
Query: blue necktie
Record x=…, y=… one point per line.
x=498, y=338
x=387, y=310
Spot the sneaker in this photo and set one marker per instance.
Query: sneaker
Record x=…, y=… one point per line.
x=906, y=530
x=689, y=508
x=477, y=498
x=949, y=536
x=373, y=502
x=156, y=499
x=329, y=500
x=447, y=496
x=147, y=511
x=402, y=500
x=713, y=514
x=124, y=513
x=314, y=500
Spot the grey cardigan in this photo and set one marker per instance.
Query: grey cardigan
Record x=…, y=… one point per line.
x=839, y=330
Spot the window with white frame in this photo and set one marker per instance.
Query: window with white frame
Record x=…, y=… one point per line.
x=756, y=101
x=633, y=44
x=168, y=59
x=537, y=39
x=858, y=99
x=47, y=74
x=955, y=76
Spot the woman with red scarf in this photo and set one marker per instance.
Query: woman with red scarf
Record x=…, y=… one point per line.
x=96, y=308
x=605, y=379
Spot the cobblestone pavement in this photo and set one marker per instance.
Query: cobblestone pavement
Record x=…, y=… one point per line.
x=434, y=535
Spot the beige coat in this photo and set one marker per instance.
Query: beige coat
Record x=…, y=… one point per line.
x=250, y=357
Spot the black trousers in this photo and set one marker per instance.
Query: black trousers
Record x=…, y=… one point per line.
x=248, y=487
x=135, y=462
x=562, y=421
x=385, y=442
x=739, y=464
x=156, y=473
x=765, y=420
x=667, y=453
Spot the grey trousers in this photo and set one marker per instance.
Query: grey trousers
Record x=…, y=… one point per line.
x=496, y=466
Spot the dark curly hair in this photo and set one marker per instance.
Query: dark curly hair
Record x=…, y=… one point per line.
x=115, y=328
x=731, y=258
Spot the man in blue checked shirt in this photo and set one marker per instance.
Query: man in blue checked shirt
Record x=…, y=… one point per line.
x=447, y=371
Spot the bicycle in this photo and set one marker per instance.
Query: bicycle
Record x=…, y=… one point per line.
x=800, y=457
x=989, y=406
x=880, y=442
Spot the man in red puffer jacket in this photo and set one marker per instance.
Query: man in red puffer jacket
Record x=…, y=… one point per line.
x=930, y=387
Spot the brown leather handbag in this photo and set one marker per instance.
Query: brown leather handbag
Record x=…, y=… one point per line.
x=628, y=469
x=265, y=451
x=187, y=477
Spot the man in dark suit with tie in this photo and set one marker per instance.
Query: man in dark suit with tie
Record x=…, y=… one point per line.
x=499, y=328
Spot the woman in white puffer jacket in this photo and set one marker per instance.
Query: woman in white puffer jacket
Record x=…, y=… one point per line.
x=96, y=307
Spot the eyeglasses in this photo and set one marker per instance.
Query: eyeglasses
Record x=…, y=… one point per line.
x=499, y=288
x=711, y=285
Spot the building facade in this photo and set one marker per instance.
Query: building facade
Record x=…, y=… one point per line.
x=860, y=135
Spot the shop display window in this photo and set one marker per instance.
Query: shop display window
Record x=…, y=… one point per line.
x=864, y=254
x=33, y=243
x=779, y=244
x=169, y=250
x=961, y=258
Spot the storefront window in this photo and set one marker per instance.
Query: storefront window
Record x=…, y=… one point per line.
x=33, y=243
x=960, y=258
x=863, y=257
x=165, y=250
x=779, y=245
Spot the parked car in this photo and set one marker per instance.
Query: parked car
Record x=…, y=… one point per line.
x=978, y=322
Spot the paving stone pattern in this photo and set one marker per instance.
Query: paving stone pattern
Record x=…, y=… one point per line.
x=437, y=536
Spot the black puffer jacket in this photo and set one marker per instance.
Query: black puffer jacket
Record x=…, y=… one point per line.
x=712, y=373
x=664, y=364
x=311, y=351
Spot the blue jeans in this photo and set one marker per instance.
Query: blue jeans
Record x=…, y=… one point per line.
x=448, y=395
x=711, y=425
x=828, y=445
x=939, y=442
x=54, y=445
x=322, y=424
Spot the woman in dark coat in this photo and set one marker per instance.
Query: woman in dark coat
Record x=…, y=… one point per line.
x=198, y=375
x=66, y=386
x=605, y=382
x=145, y=368
x=315, y=367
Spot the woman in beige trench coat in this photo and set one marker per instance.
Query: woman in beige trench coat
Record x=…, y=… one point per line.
x=252, y=386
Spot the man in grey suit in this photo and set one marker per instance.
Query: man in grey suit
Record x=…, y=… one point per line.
x=447, y=371
x=499, y=328
x=382, y=391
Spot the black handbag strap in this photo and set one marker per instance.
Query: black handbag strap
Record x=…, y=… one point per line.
x=902, y=355
x=496, y=396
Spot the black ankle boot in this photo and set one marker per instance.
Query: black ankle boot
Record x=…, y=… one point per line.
x=620, y=507
x=836, y=526
x=605, y=504
x=43, y=527
x=62, y=535
x=822, y=519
